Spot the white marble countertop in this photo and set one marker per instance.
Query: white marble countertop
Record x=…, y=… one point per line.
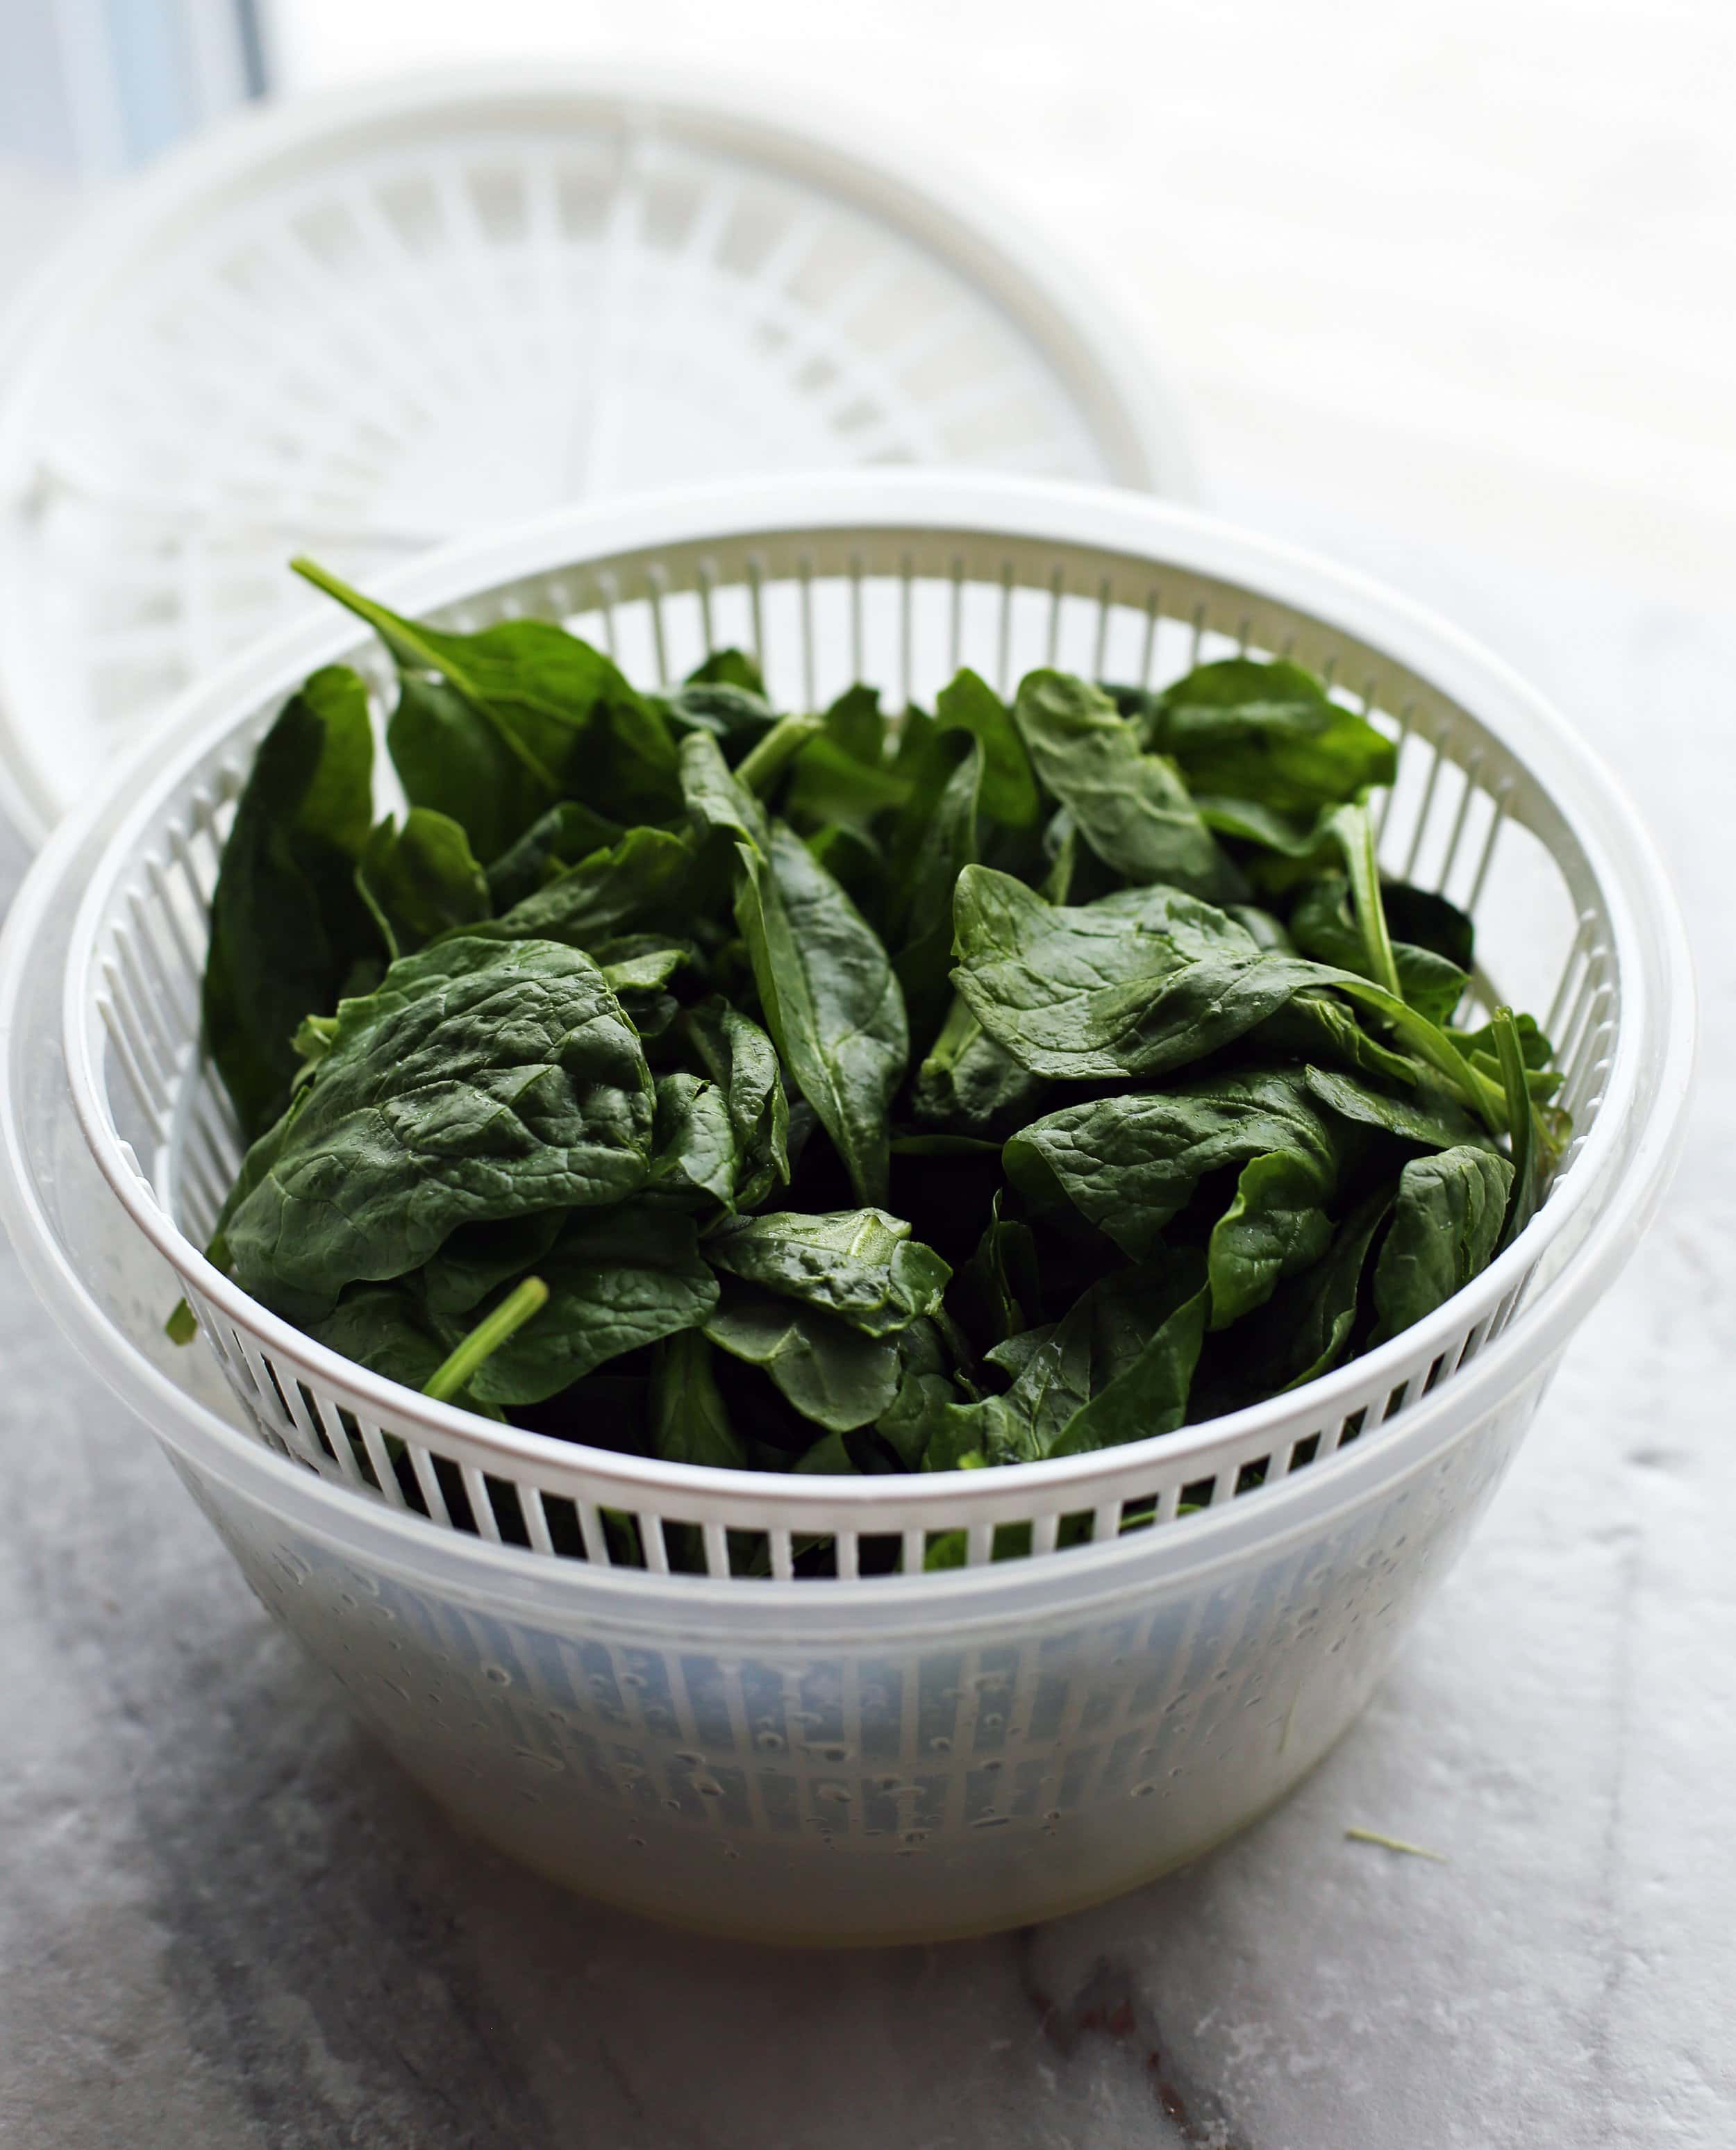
x=225, y=1920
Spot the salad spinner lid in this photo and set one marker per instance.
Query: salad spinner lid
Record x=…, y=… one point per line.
x=363, y=323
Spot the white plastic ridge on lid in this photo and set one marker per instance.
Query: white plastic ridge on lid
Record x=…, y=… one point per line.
x=368, y=323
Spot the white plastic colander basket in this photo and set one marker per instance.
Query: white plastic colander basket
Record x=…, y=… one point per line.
x=998, y=1720
x=363, y=323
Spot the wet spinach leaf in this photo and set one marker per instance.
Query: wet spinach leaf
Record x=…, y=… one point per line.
x=1447, y=1221
x=482, y=1080
x=617, y=1280
x=690, y=1423
x=290, y=931
x=861, y=1265
x=1132, y=985
x=827, y=988
x=1131, y=806
x=833, y=1374
x=420, y=880
x=558, y=707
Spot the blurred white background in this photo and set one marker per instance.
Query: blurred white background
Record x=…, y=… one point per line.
x=1467, y=272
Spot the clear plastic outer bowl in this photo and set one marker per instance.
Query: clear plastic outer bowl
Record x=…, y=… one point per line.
x=904, y=1757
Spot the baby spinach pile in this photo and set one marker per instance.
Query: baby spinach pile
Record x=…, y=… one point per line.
x=835, y=1094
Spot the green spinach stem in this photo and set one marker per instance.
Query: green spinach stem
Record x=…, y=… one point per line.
x=485, y=1339
x=1356, y=836
x=764, y=762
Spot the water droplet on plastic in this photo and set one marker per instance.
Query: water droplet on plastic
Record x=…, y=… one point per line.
x=992, y=1821
x=770, y=1743
x=693, y=1761
x=940, y=1745
x=1053, y=1814
x=835, y=1794
x=1142, y=1791
x=498, y=1673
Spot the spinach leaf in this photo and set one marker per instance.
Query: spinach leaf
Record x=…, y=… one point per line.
x=1313, y=1026
x=735, y=715
x=1008, y=790
x=640, y=962
x=288, y=931
x=831, y=787
x=418, y=878
x=1147, y=1395
x=1249, y=729
x=1276, y=1225
x=924, y=963
x=618, y=1279
x=1304, y=1330
x=477, y=1258
x=831, y=997
x=482, y=1080
x=555, y=840
x=1142, y=1328
x=996, y=1292
x=859, y=866
x=1130, y=806
x=1130, y=1163
x=635, y=885
x=833, y=1374
x=1321, y=924
x=729, y=668
x=1425, y=920
x=559, y=708
x=694, y=1140
x=841, y=775
x=744, y=1063
x=1430, y=1120
x=970, y=1084
x=1132, y=985
x=452, y=759
x=1529, y=1144
x=1446, y=1218
x=689, y=1419
x=1267, y=931
x=383, y=1327
x=861, y=1265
